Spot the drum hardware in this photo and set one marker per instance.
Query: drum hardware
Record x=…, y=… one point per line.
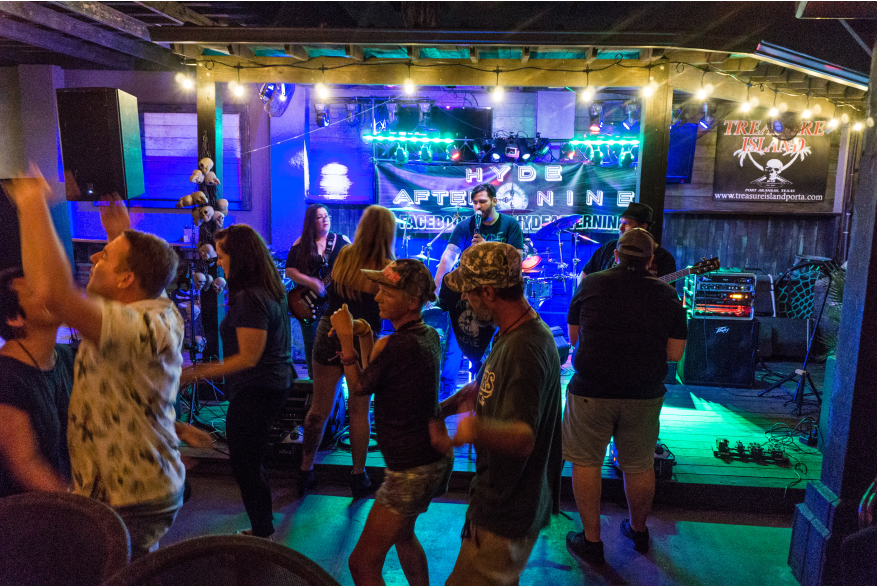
x=513, y=211
x=427, y=250
x=457, y=210
x=554, y=227
x=424, y=258
x=405, y=209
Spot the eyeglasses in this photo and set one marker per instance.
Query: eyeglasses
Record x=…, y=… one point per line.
x=326, y=217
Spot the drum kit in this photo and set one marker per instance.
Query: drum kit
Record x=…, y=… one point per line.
x=539, y=269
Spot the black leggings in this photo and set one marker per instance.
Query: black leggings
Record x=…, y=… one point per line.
x=250, y=413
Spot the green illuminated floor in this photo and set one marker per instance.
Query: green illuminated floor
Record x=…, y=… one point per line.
x=688, y=547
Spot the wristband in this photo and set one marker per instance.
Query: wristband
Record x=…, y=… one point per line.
x=351, y=360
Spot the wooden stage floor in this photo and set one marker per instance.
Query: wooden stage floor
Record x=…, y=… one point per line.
x=692, y=419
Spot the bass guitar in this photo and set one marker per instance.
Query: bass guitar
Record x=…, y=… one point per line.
x=704, y=266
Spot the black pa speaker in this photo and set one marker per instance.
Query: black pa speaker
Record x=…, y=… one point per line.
x=561, y=342
x=720, y=353
x=100, y=143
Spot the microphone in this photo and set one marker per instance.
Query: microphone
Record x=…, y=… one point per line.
x=478, y=223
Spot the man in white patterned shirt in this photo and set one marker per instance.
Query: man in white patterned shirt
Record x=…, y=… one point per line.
x=123, y=445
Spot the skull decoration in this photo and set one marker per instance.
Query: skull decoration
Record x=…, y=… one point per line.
x=206, y=213
x=218, y=284
x=205, y=165
x=207, y=251
x=773, y=168
x=200, y=280
x=218, y=218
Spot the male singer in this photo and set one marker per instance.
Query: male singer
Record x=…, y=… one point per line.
x=487, y=224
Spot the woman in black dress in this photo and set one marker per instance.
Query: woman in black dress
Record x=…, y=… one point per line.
x=257, y=368
x=372, y=248
x=311, y=259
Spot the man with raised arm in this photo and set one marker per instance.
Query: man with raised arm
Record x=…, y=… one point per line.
x=121, y=433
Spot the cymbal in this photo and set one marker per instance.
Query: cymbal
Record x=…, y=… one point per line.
x=423, y=258
x=400, y=221
x=405, y=209
x=457, y=209
x=516, y=211
x=553, y=228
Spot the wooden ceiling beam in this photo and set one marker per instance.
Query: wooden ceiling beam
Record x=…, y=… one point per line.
x=354, y=52
x=187, y=51
x=413, y=53
x=726, y=88
x=178, y=12
x=447, y=73
x=100, y=12
x=525, y=54
x=474, y=54
x=50, y=41
x=297, y=52
x=37, y=13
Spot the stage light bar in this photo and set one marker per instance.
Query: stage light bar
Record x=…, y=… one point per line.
x=403, y=136
x=599, y=143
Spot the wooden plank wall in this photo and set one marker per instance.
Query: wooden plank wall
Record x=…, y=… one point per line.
x=769, y=243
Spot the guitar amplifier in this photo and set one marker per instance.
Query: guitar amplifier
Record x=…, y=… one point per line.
x=720, y=295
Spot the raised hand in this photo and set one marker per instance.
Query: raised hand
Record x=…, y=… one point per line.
x=342, y=322
x=114, y=217
x=22, y=190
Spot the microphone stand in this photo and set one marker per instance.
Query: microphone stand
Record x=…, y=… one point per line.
x=428, y=248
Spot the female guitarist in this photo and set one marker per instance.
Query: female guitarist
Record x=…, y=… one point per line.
x=309, y=265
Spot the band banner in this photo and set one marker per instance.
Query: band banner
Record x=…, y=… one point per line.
x=548, y=190
x=754, y=166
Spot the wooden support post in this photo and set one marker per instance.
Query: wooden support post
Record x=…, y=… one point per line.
x=654, y=144
x=209, y=99
x=830, y=509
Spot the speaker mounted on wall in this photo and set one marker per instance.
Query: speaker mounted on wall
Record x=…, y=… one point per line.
x=100, y=144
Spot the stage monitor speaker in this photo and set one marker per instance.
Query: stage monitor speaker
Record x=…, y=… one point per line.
x=561, y=342
x=100, y=143
x=720, y=353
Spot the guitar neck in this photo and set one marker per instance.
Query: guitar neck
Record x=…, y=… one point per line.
x=671, y=277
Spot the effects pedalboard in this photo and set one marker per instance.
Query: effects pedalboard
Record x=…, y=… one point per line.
x=720, y=295
x=751, y=452
x=664, y=460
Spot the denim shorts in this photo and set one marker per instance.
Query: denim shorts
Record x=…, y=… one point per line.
x=409, y=492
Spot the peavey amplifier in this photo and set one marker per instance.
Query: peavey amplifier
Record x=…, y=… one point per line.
x=720, y=353
x=720, y=295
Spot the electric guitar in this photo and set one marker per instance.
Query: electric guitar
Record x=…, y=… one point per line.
x=704, y=266
x=306, y=304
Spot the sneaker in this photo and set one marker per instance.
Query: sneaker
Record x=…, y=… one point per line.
x=249, y=532
x=584, y=551
x=640, y=539
x=361, y=485
x=305, y=482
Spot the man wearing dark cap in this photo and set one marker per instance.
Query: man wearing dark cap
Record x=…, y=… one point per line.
x=629, y=324
x=636, y=215
x=516, y=426
x=402, y=372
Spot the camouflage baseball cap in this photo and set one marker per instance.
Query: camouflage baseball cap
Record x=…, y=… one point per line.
x=409, y=275
x=492, y=263
x=636, y=242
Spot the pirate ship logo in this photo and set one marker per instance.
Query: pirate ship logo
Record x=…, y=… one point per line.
x=773, y=168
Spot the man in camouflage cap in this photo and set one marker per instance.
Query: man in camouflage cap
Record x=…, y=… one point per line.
x=402, y=372
x=516, y=426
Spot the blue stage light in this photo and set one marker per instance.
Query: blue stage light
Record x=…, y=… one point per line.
x=425, y=153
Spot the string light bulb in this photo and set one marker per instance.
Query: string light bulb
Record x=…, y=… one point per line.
x=857, y=126
x=807, y=113
x=409, y=86
x=322, y=90
x=746, y=106
x=587, y=94
x=498, y=91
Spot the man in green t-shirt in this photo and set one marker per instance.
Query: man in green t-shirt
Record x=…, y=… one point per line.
x=516, y=426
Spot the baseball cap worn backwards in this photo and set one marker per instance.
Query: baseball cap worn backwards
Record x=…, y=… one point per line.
x=409, y=275
x=492, y=263
x=636, y=242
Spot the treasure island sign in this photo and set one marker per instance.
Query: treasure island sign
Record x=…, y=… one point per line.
x=754, y=166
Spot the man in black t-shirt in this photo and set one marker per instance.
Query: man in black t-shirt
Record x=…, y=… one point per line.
x=636, y=215
x=36, y=377
x=402, y=371
x=630, y=324
x=486, y=225
x=516, y=426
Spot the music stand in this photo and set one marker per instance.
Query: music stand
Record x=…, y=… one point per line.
x=803, y=376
